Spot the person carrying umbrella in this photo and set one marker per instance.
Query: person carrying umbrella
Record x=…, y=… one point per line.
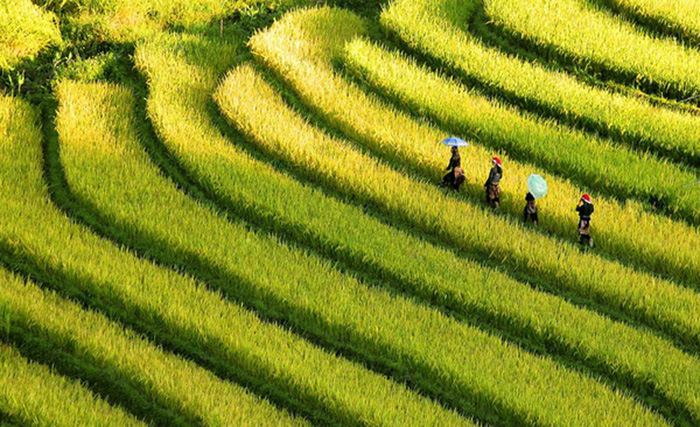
x=493, y=189
x=455, y=177
x=530, y=211
x=585, y=210
x=536, y=189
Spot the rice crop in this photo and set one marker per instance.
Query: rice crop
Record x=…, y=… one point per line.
x=439, y=353
x=131, y=20
x=593, y=163
x=680, y=16
x=180, y=87
x=579, y=30
x=441, y=30
x=178, y=309
x=253, y=106
x=229, y=212
x=301, y=48
x=30, y=394
x=122, y=355
x=25, y=30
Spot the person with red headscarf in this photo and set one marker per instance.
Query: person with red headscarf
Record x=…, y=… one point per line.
x=585, y=210
x=493, y=189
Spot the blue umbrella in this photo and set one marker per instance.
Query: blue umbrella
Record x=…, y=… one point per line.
x=454, y=142
x=537, y=186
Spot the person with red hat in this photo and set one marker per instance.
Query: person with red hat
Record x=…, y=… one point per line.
x=585, y=210
x=493, y=189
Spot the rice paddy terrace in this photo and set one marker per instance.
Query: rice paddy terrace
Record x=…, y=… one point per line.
x=229, y=212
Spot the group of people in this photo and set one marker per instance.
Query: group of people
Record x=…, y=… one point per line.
x=455, y=177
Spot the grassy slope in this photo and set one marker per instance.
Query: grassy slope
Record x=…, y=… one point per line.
x=300, y=49
x=25, y=30
x=175, y=310
x=303, y=290
x=579, y=30
x=181, y=80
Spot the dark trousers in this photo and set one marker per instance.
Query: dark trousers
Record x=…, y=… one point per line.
x=527, y=215
x=449, y=180
x=584, y=227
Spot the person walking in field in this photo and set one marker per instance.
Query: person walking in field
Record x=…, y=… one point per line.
x=585, y=210
x=455, y=177
x=530, y=211
x=493, y=189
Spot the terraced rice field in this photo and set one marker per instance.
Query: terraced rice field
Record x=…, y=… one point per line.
x=227, y=212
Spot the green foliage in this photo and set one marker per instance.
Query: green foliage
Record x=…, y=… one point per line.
x=30, y=394
x=578, y=30
x=5, y=322
x=439, y=29
x=179, y=92
x=25, y=30
x=437, y=352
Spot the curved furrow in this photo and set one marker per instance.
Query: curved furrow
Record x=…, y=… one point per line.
x=31, y=394
x=124, y=367
x=342, y=168
x=300, y=50
x=441, y=356
x=180, y=87
x=175, y=310
x=577, y=30
x=679, y=18
x=440, y=30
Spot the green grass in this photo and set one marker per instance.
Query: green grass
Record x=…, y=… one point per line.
x=440, y=355
x=440, y=29
x=300, y=49
x=122, y=356
x=30, y=394
x=181, y=80
x=177, y=310
x=25, y=30
x=577, y=29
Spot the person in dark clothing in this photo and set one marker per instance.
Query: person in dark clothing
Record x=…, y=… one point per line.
x=530, y=211
x=585, y=210
x=455, y=177
x=493, y=188
x=455, y=160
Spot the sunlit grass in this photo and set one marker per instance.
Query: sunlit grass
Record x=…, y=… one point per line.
x=25, y=29
x=180, y=88
x=577, y=29
x=440, y=29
